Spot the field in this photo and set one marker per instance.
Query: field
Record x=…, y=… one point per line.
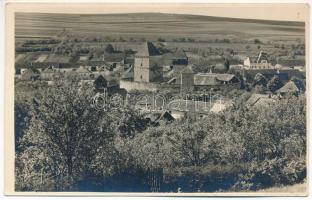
x=153, y=25
x=203, y=35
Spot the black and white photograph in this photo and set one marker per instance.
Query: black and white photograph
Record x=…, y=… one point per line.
x=167, y=99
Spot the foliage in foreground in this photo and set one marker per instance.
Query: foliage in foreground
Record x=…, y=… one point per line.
x=68, y=140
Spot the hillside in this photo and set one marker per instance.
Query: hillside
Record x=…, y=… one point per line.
x=151, y=25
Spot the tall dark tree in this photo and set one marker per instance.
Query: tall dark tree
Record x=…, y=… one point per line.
x=226, y=65
x=109, y=48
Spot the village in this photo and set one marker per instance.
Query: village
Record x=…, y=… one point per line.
x=147, y=70
x=159, y=102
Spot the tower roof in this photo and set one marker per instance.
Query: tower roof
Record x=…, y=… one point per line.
x=148, y=49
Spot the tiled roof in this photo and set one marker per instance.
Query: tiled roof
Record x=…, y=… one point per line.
x=147, y=49
x=211, y=78
x=288, y=88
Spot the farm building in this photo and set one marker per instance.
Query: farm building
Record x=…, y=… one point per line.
x=293, y=87
x=129, y=56
x=174, y=60
x=193, y=108
x=187, y=78
x=259, y=62
x=56, y=60
x=155, y=118
x=260, y=100
x=30, y=74
x=114, y=58
x=214, y=79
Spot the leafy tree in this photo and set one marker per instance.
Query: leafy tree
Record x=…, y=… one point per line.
x=274, y=84
x=259, y=79
x=109, y=48
x=161, y=39
x=67, y=128
x=257, y=41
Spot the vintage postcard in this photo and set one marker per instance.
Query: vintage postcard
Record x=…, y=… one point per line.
x=156, y=99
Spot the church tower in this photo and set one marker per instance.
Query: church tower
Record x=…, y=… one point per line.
x=147, y=63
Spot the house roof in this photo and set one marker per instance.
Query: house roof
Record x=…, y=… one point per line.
x=187, y=70
x=49, y=70
x=219, y=106
x=147, y=49
x=260, y=100
x=113, y=57
x=211, y=78
x=172, y=80
x=82, y=69
x=56, y=58
x=189, y=105
x=289, y=87
x=129, y=73
x=177, y=54
x=155, y=117
x=30, y=73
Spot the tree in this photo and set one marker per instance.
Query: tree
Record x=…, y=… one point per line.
x=257, y=41
x=161, y=39
x=226, y=65
x=259, y=79
x=109, y=48
x=274, y=84
x=67, y=128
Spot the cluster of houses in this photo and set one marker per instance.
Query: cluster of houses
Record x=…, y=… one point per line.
x=147, y=69
x=153, y=71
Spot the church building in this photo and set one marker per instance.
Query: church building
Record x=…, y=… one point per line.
x=147, y=64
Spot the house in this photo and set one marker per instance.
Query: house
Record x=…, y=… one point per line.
x=147, y=63
x=129, y=56
x=260, y=100
x=83, y=72
x=214, y=79
x=30, y=74
x=220, y=105
x=181, y=107
x=56, y=60
x=259, y=62
x=128, y=74
x=48, y=73
x=156, y=117
x=114, y=58
x=299, y=68
x=293, y=87
x=187, y=78
x=175, y=60
x=100, y=83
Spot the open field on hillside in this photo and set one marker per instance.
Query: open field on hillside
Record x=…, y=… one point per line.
x=204, y=36
x=153, y=25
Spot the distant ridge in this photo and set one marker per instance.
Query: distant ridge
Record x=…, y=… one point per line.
x=179, y=16
x=205, y=17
